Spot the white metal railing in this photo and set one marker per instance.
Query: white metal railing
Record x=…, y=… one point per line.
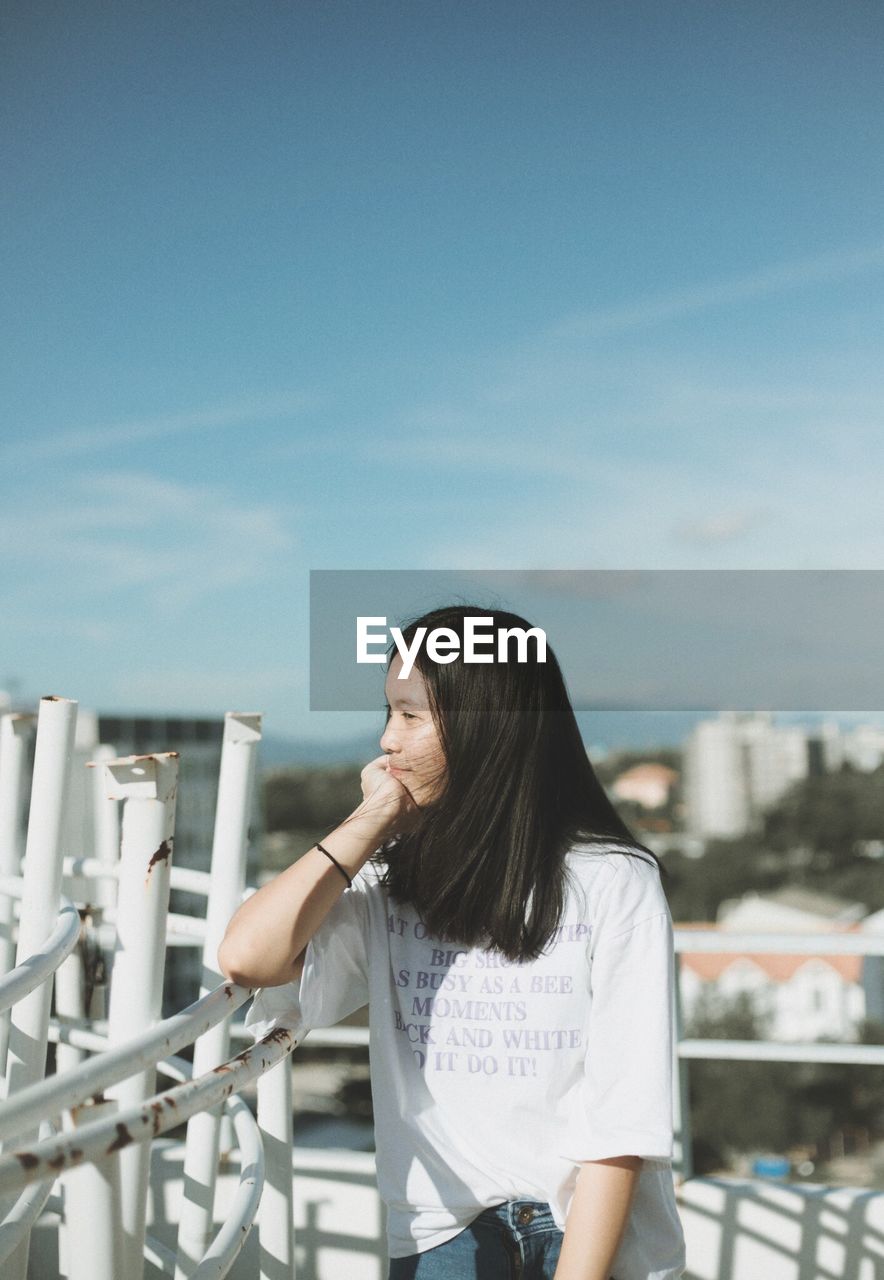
x=718, y=942
x=91, y=1124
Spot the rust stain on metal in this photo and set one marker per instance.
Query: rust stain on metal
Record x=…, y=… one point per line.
x=27, y=1159
x=163, y=854
x=276, y=1035
x=51, y=697
x=58, y=1162
x=123, y=1138
x=157, y=1109
x=76, y=1153
x=80, y=1110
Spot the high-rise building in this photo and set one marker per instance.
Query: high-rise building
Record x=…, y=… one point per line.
x=715, y=782
x=736, y=767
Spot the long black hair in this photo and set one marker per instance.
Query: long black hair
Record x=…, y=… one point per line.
x=485, y=866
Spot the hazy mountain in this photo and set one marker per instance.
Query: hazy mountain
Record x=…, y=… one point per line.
x=276, y=751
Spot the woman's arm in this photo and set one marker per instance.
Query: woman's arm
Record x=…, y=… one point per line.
x=597, y=1217
x=265, y=940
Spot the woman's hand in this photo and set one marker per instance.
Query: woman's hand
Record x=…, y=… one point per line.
x=385, y=798
x=264, y=943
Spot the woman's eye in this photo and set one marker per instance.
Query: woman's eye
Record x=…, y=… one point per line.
x=407, y=715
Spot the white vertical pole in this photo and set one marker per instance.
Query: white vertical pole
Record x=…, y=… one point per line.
x=70, y=991
x=106, y=824
x=242, y=733
x=15, y=731
x=148, y=785
x=92, y=1236
x=41, y=899
x=276, y=1213
x=681, y=1099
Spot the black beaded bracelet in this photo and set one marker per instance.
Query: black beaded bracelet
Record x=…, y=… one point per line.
x=322, y=849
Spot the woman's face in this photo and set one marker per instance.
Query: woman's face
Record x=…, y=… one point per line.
x=411, y=740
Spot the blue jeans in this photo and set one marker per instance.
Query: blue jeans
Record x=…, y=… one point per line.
x=517, y=1240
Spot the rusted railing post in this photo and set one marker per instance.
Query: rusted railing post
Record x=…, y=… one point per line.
x=41, y=899
x=15, y=732
x=94, y=832
x=148, y=785
x=242, y=733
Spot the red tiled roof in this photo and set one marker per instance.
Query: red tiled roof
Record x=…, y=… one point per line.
x=650, y=770
x=709, y=966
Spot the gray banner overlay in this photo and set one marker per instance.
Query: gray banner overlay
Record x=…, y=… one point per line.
x=655, y=640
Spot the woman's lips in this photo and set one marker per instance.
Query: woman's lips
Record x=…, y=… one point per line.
x=394, y=768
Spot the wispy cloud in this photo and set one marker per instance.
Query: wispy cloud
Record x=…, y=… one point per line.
x=170, y=541
x=134, y=431
x=467, y=453
x=828, y=268
x=649, y=513
x=720, y=527
x=558, y=406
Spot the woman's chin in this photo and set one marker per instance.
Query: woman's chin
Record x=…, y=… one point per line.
x=426, y=795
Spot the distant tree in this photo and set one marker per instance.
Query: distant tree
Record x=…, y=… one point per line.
x=829, y=815
x=739, y=1106
x=302, y=798
x=736, y=1106
x=640, y=820
x=696, y=887
x=844, y=1096
x=814, y=836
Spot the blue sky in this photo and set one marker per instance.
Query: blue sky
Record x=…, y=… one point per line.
x=419, y=285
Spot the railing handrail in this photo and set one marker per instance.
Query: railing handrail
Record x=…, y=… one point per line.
x=779, y=942
x=868, y=1055
x=41, y=964
x=164, y=1111
x=96, y=1074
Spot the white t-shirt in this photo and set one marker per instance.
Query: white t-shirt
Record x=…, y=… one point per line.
x=491, y=1081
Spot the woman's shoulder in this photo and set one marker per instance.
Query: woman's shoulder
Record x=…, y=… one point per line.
x=606, y=859
x=365, y=899
x=621, y=881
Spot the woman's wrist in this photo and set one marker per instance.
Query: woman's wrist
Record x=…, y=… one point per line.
x=354, y=841
x=377, y=817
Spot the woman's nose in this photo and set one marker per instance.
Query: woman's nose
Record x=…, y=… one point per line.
x=388, y=740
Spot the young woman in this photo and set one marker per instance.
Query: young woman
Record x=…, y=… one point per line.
x=514, y=945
